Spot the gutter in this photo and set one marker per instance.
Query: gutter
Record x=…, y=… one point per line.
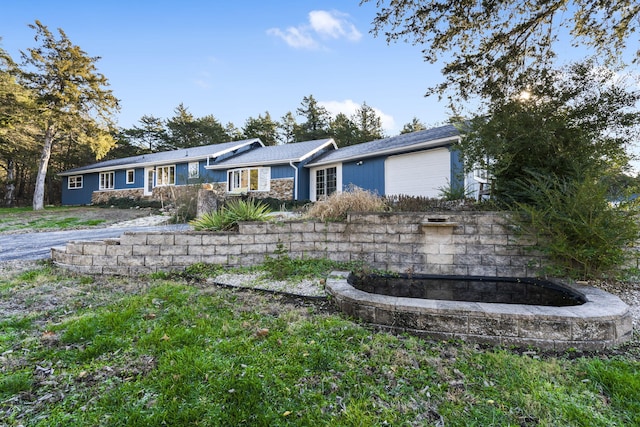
x=295, y=180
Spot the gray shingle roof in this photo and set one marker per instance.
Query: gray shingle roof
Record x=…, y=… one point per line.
x=164, y=157
x=442, y=135
x=275, y=154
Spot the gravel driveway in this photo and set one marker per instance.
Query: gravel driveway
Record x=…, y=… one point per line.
x=34, y=246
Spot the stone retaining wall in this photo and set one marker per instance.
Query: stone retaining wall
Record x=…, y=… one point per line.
x=477, y=243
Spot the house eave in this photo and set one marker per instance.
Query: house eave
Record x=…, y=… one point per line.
x=442, y=142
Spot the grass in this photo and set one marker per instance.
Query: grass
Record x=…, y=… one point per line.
x=52, y=218
x=112, y=351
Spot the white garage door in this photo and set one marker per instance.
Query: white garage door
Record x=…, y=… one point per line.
x=417, y=174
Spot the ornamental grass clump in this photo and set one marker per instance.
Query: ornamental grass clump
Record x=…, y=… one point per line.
x=338, y=205
x=227, y=217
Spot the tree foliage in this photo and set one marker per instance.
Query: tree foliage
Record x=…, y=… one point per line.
x=71, y=95
x=572, y=123
x=317, y=120
x=487, y=45
x=262, y=127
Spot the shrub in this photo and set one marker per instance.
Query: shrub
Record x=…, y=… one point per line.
x=129, y=202
x=227, y=217
x=338, y=205
x=583, y=234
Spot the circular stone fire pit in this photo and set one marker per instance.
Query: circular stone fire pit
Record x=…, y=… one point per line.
x=591, y=318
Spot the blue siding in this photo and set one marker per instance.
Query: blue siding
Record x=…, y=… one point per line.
x=121, y=179
x=368, y=176
x=79, y=196
x=282, y=171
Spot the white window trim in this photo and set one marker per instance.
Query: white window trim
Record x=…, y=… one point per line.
x=194, y=167
x=163, y=174
x=133, y=173
x=108, y=182
x=312, y=179
x=264, y=180
x=77, y=179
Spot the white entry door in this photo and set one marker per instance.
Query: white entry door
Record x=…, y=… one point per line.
x=149, y=176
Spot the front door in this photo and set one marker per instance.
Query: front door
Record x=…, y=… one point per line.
x=149, y=175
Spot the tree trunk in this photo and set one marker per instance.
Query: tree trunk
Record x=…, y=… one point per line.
x=10, y=186
x=38, y=193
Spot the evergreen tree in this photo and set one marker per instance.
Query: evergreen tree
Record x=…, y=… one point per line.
x=72, y=97
x=263, y=128
x=343, y=130
x=317, y=121
x=286, y=129
x=414, y=126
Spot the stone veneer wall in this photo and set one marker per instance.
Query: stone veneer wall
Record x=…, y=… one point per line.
x=446, y=243
x=100, y=197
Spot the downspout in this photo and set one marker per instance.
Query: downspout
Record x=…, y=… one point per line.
x=295, y=180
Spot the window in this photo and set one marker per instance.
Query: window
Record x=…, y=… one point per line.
x=131, y=176
x=251, y=179
x=194, y=170
x=326, y=182
x=166, y=175
x=74, y=182
x=106, y=181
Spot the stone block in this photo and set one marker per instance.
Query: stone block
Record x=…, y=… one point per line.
x=228, y=250
x=75, y=248
x=445, y=259
x=158, y=261
x=544, y=329
x=196, y=250
x=442, y=322
x=411, y=238
x=241, y=239
x=115, y=270
x=361, y=237
x=161, y=239
x=252, y=227
x=103, y=260
x=146, y=250
x=188, y=239
x=303, y=227
x=215, y=259
x=179, y=249
x=499, y=261
x=185, y=260
x=214, y=239
x=256, y=248
x=336, y=227
x=593, y=330
x=133, y=238
x=302, y=246
x=94, y=248
x=481, y=249
x=130, y=260
x=397, y=248
x=482, y=270
x=117, y=250
x=266, y=238
x=467, y=259
x=81, y=260
x=278, y=227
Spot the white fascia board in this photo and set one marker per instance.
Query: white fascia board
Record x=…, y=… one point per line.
x=315, y=150
x=428, y=144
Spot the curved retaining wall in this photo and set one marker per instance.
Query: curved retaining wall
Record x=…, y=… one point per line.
x=477, y=243
x=603, y=321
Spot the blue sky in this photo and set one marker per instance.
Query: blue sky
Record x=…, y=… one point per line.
x=238, y=59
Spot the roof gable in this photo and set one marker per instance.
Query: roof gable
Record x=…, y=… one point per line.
x=440, y=136
x=166, y=157
x=276, y=154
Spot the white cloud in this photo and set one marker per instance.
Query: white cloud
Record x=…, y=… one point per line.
x=296, y=37
x=334, y=25
x=349, y=108
x=324, y=24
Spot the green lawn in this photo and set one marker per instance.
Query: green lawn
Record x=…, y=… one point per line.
x=83, y=351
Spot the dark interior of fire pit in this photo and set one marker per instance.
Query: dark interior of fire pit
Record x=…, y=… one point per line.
x=469, y=288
